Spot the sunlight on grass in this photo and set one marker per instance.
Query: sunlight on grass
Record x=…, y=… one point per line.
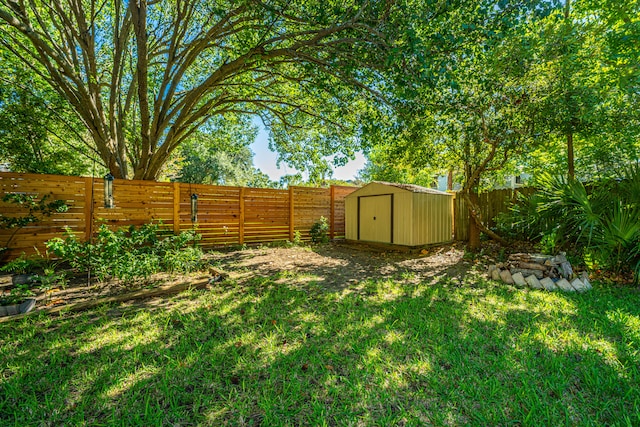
x=282, y=351
x=126, y=382
x=629, y=322
x=117, y=337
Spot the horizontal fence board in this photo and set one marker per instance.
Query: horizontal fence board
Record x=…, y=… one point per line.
x=27, y=239
x=266, y=212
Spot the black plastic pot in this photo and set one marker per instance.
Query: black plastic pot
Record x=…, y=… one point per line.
x=13, y=309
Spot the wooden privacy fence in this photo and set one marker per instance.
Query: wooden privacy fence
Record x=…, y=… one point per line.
x=226, y=215
x=491, y=203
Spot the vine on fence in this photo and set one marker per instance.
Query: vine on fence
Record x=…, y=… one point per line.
x=36, y=208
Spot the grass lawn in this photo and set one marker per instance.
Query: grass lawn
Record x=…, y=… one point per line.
x=281, y=350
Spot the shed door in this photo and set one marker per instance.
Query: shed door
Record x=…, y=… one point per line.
x=375, y=218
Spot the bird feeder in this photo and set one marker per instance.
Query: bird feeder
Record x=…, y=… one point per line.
x=108, y=191
x=194, y=207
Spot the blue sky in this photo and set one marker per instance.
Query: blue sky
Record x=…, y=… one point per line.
x=265, y=160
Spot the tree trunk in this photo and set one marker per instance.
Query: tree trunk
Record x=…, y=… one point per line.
x=474, y=230
x=112, y=159
x=570, y=165
x=450, y=180
x=475, y=221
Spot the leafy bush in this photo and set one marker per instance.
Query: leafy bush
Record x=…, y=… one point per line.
x=297, y=238
x=23, y=264
x=182, y=260
x=129, y=254
x=50, y=278
x=320, y=231
x=602, y=220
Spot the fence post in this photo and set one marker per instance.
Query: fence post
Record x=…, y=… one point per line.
x=332, y=214
x=241, y=216
x=88, y=207
x=176, y=208
x=291, y=215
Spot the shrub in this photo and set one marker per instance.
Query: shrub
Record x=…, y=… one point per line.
x=297, y=238
x=129, y=254
x=184, y=260
x=50, y=278
x=24, y=264
x=603, y=220
x=320, y=231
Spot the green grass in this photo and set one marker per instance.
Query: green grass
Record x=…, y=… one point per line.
x=281, y=351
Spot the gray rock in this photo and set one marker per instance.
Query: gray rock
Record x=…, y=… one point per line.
x=526, y=272
x=534, y=282
x=565, y=285
x=559, y=259
x=565, y=270
x=585, y=280
x=505, y=275
x=490, y=269
x=495, y=274
x=13, y=309
x=9, y=310
x=518, y=279
x=548, y=284
x=578, y=285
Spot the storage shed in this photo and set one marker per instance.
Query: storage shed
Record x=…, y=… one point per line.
x=399, y=214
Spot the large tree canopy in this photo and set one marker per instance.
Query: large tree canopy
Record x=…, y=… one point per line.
x=586, y=81
x=38, y=131
x=584, y=87
x=493, y=81
x=143, y=76
x=471, y=109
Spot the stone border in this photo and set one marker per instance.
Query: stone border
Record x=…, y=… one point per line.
x=581, y=284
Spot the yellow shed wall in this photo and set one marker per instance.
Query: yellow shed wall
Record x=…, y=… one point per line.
x=433, y=216
x=402, y=218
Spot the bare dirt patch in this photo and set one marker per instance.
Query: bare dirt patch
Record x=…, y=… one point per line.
x=330, y=267
x=335, y=266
